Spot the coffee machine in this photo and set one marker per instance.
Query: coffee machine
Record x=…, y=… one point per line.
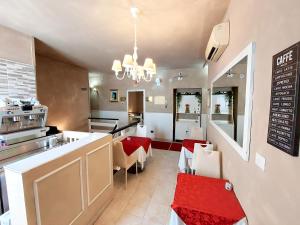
x=23, y=133
x=20, y=123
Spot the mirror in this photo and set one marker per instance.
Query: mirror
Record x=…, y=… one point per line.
x=228, y=101
x=231, y=101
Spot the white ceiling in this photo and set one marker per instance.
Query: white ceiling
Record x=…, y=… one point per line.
x=94, y=32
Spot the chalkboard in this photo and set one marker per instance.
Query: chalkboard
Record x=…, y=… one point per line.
x=284, y=119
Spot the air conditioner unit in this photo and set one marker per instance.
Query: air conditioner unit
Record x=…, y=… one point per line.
x=218, y=42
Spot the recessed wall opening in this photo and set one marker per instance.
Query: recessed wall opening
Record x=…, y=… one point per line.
x=186, y=111
x=136, y=104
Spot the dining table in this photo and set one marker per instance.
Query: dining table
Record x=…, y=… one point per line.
x=140, y=144
x=187, y=150
x=200, y=200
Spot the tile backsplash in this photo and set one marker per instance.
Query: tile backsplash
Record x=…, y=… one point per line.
x=17, y=80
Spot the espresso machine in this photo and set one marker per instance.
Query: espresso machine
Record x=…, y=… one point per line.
x=23, y=133
x=20, y=123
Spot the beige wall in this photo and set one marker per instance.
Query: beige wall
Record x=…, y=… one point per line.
x=16, y=46
x=271, y=197
x=59, y=86
x=196, y=78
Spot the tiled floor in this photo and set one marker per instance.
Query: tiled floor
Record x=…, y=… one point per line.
x=148, y=196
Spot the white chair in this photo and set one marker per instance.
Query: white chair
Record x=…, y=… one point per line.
x=206, y=147
x=121, y=159
x=206, y=162
x=141, y=131
x=197, y=133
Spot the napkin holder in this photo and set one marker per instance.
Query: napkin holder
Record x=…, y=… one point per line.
x=228, y=186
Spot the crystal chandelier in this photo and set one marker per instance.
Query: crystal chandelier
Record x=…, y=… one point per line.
x=131, y=67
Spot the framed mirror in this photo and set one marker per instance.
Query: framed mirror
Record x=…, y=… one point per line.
x=231, y=101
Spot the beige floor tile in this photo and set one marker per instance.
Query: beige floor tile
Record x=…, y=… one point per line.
x=162, y=196
x=129, y=219
x=112, y=213
x=148, y=196
x=152, y=221
x=137, y=208
x=157, y=212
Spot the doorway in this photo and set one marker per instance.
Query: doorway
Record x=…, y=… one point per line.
x=135, y=105
x=187, y=110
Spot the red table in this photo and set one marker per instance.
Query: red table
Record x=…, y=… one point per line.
x=189, y=144
x=205, y=201
x=132, y=143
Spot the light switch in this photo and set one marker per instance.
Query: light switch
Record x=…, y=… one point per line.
x=260, y=161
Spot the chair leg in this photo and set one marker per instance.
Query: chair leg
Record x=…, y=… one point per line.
x=125, y=178
x=136, y=168
x=142, y=165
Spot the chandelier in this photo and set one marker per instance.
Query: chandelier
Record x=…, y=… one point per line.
x=131, y=67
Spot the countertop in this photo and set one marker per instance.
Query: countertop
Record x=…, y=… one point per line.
x=31, y=162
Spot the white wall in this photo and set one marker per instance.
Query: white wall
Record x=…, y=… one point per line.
x=121, y=115
x=221, y=100
x=192, y=101
x=160, y=123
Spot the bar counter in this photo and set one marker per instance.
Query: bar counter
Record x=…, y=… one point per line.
x=70, y=184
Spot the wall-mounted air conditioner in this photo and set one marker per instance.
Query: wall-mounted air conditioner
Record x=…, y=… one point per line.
x=218, y=42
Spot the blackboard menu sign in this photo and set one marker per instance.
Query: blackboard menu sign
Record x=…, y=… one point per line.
x=284, y=120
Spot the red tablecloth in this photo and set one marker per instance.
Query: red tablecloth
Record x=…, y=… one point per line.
x=132, y=143
x=205, y=201
x=189, y=144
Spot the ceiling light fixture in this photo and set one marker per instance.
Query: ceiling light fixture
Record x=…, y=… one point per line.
x=131, y=67
x=158, y=81
x=229, y=74
x=180, y=76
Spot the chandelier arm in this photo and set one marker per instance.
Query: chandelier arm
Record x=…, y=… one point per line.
x=129, y=73
x=120, y=78
x=148, y=77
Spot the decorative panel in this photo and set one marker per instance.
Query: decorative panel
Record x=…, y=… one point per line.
x=59, y=195
x=17, y=80
x=99, y=172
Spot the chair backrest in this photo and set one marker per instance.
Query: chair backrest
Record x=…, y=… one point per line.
x=206, y=147
x=206, y=163
x=119, y=157
x=197, y=133
x=141, y=131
